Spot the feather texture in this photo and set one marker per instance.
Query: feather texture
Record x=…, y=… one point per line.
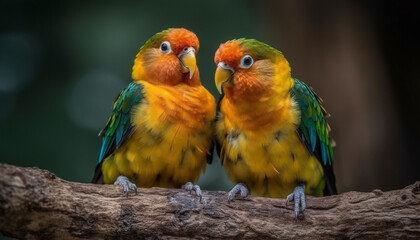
x=119, y=125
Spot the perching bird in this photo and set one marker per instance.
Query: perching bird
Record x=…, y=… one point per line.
x=160, y=130
x=272, y=137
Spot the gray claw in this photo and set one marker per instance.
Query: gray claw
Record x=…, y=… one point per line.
x=190, y=187
x=126, y=184
x=298, y=195
x=240, y=187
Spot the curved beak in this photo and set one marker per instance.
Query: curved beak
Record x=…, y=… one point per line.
x=188, y=60
x=223, y=76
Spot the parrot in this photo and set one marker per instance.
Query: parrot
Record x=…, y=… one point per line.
x=160, y=132
x=271, y=134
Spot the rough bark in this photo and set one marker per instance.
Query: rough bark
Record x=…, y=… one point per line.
x=35, y=204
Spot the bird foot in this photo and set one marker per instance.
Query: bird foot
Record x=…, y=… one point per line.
x=240, y=187
x=298, y=195
x=126, y=184
x=190, y=187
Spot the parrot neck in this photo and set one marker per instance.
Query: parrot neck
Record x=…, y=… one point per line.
x=259, y=116
x=194, y=81
x=181, y=105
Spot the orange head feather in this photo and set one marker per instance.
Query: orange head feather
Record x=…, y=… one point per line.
x=166, y=57
x=230, y=53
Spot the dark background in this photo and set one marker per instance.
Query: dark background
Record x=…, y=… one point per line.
x=63, y=62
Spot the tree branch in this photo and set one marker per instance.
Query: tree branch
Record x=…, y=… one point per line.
x=35, y=204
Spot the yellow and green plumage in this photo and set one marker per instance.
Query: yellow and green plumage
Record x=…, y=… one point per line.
x=160, y=129
x=271, y=130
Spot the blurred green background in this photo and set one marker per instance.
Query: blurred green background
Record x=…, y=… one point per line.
x=62, y=63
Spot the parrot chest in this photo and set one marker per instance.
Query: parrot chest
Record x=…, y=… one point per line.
x=270, y=163
x=168, y=147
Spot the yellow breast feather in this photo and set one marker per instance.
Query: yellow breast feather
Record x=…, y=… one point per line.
x=172, y=137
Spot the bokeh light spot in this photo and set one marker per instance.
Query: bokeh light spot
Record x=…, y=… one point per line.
x=19, y=57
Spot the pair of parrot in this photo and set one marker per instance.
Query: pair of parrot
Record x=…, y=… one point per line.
x=269, y=128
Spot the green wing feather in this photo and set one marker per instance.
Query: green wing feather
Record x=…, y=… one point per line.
x=314, y=130
x=119, y=126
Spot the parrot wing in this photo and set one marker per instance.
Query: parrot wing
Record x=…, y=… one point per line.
x=314, y=130
x=119, y=127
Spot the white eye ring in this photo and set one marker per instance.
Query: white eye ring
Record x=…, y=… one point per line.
x=165, y=47
x=246, y=62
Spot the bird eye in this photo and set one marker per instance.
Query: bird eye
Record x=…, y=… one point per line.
x=246, y=62
x=165, y=47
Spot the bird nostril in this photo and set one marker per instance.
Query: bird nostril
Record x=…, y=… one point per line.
x=185, y=49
